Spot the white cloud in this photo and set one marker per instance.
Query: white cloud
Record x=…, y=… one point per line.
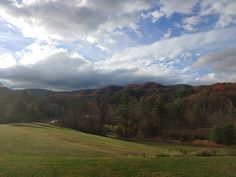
x=177, y=6
x=167, y=61
x=222, y=65
x=205, y=79
x=156, y=15
x=224, y=8
x=190, y=22
x=171, y=56
x=220, y=61
x=36, y=52
x=174, y=46
x=167, y=34
x=224, y=21
x=169, y=7
x=92, y=24
x=7, y=60
x=71, y=19
x=63, y=71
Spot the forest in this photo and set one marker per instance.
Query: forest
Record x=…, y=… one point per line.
x=180, y=112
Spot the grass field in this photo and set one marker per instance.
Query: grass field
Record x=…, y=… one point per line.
x=42, y=150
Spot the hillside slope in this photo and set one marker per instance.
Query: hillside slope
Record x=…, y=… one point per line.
x=42, y=150
x=46, y=140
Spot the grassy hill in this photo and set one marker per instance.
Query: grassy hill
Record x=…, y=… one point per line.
x=42, y=150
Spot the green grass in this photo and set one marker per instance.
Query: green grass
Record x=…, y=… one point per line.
x=41, y=150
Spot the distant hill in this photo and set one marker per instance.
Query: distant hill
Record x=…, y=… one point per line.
x=40, y=92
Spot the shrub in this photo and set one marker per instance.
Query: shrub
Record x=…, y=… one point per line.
x=225, y=135
x=120, y=130
x=229, y=134
x=217, y=135
x=124, y=132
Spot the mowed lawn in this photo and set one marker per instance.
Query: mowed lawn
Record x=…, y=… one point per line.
x=42, y=150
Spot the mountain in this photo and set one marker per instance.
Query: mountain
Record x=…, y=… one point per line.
x=133, y=110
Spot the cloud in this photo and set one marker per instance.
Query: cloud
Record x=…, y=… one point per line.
x=222, y=65
x=205, y=79
x=171, y=57
x=224, y=8
x=168, y=8
x=7, y=60
x=190, y=22
x=69, y=39
x=225, y=20
x=156, y=15
x=220, y=61
x=175, y=46
x=71, y=19
x=36, y=52
x=60, y=70
x=167, y=34
x=177, y=6
x=63, y=71
x=167, y=61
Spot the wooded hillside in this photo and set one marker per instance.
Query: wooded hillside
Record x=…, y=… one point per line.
x=144, y=110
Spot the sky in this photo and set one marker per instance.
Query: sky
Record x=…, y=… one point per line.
x=80, y=44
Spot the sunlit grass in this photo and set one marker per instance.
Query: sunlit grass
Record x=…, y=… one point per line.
x=43, y=150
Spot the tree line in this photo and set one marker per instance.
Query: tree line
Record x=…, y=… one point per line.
x=146, y=110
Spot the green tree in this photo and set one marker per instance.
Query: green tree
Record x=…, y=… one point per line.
x=125, y=123
x=177, y=111
x=149, y=122
x=217, y=135
x=229, y=134
x=160, y=109
x=223, y=135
